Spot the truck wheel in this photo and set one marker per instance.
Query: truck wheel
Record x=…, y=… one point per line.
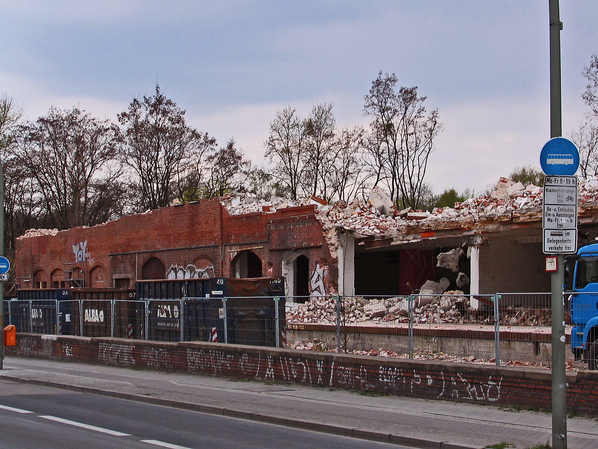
x=592, y=354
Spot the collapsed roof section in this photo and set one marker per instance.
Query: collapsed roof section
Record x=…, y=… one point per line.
x=376, y=220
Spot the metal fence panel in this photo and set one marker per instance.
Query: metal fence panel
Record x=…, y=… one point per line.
x=473, y=327
x=432, y=325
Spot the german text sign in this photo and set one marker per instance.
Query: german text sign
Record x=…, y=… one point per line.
x=559, y=215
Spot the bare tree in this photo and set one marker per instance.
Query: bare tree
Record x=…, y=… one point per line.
x=161, y=149
x=586, y=139
x=320, y=133
x=10, y=115
x=347, y=177
x=228, y=171
x=590, y=95
x=402, y=138
x=285, y=147
x=260, y=182
x=20, y=202
x=69, y=158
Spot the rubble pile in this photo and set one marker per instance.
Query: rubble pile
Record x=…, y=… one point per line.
x=319, y=309
x=450, y=307
x=38, y=233
x=239, y=204
x=424, y=354
x=522, y=316
x=378, y=217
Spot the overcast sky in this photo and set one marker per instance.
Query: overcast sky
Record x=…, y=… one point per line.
x=233, y=64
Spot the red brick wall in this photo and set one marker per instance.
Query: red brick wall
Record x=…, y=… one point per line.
x=431, y=380
x=178, y=235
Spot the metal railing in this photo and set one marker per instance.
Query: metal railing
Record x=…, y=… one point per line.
x=491, y=328
x=471, y=328
x=248, y=320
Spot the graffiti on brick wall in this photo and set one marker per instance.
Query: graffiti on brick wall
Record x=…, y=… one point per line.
x=94, y=316
x=454, y=386
x=67, y=350
x=30, y=347
x=214, y=362
x=325, y=371
x=330, y=373
x=157, y=358
x=80, y=251
x=114, y=354
x=317, y=281
x=189, y=272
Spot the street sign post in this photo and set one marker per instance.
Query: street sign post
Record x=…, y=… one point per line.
x=559, y=160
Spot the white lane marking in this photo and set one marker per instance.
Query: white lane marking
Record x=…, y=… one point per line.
x=86, y=426
x=12, y=409
x=163, y=444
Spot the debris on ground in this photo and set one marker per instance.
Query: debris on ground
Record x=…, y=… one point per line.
x=450, y=307
x=424, y=354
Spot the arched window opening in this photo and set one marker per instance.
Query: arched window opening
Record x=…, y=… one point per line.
x=57, y=279
x=38, y=281
x=98, y=277
x=153, y=268
x=246, y=265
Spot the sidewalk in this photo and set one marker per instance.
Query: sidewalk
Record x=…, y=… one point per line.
x=398, y=420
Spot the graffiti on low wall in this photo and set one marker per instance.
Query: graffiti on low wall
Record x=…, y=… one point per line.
x=325, y=370
x=30, y=347
x=394, y=380
x=115, y=354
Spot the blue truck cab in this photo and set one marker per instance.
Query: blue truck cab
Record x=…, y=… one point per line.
x=583, y=304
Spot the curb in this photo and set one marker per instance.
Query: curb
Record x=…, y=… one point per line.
x=267, y=419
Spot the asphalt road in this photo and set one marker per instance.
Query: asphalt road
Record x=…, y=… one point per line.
x=433, y=424
x=35, y=416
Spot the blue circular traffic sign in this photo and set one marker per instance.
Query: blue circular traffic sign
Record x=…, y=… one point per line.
x=4, y=265
x=559, y=157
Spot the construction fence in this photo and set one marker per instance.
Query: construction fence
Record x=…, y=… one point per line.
x=245, y=320
x=503, y=327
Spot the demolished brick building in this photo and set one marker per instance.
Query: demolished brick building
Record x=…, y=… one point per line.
x=488, y=244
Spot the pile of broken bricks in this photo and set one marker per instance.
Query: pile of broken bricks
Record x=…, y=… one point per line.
x=451, y=307
x=424, y=354
x=377, y=216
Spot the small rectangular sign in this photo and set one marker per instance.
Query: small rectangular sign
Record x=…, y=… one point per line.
x=552, y=264
x=562, y=241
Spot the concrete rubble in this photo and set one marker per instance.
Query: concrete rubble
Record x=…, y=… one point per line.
x=39, y=233
x=377, y=217
x=424, y=354
x=451, y=307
